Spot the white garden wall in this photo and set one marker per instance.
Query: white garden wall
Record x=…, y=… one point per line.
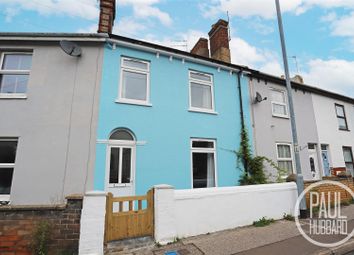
x=183, y=213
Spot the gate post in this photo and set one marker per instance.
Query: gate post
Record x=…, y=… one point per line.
x=92, y=225
x=165, y=225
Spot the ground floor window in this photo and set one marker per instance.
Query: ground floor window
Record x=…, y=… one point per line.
x=284, y=157
x=8, y=149
x=348, y=159
x=203, y=163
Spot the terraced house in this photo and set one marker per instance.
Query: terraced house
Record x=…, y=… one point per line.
x=323, y=118
x=48, y=109
x=168, y=116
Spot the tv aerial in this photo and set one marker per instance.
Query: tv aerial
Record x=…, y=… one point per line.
x=70, y=48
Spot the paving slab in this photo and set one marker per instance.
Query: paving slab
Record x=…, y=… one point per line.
x=240, y=239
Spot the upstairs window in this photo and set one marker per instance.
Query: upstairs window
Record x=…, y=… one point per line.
x=14, y=73
x=201, y=92
x=134, y=83
x=284, y=157
x=8, y=149
x=279, y=105
x=342, y=119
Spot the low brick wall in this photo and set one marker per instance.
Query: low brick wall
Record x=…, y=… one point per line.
x=345, y=195
x=17, y=224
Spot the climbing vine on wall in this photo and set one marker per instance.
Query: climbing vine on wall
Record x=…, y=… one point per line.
x=254, y=170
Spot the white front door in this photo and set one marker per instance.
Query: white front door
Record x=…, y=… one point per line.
x=314, y=166
x=120, y=168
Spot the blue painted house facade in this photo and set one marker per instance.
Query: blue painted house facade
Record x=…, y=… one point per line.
x=167, y=117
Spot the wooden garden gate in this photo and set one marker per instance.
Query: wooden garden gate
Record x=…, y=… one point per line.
x=128, y=217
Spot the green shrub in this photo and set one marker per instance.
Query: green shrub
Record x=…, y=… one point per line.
x=263, y=222
x=288, y=217
x=254, y=165
x=40, y=238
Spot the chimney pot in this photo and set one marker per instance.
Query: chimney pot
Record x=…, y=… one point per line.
x=201, y=48
x=107, y=16
x=219, y=41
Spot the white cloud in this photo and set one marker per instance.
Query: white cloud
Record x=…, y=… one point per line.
x=128, y=26
x=144, y=9
x=266, y=8
x=91, y=29
x=87, y=9
x=258, y=26
x=181, y=41
x=332, y=16
x=247, y=8
x=10, y=13
x=334, y=75
x=343, y=26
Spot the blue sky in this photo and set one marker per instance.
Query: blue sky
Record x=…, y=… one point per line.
x=320, y=33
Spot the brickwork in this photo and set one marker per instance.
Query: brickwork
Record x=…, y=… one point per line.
x=17, y=224
x=219, y=41
x=107, y=16
x=201, y=48
x=345, y=195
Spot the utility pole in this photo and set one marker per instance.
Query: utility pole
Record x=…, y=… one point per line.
x=299, y=177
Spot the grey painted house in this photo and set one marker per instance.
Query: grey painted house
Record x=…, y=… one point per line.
x=272, y=130
x=48, y=116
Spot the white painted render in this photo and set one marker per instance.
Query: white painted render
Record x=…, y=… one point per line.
x=92, y=223
x=328, y=131
x=268, y=130
x=183, y=213
x=55, y=124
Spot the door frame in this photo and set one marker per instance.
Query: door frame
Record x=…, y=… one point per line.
x=120, y=144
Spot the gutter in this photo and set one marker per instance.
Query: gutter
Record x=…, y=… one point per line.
x=53, y=37
x=173, y=54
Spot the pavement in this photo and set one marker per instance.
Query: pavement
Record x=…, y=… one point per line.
x=281, y=237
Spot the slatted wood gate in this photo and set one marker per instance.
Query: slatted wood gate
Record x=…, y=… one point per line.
x=125, y=221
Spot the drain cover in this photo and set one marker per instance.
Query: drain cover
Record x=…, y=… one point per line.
x=171, y=253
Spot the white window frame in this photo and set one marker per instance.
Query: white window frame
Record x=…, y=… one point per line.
x=123, y=68
x=285, y=159
x=6, y=198
x=205, y=83
x=204, y=150
x=4, y=72
x=121, y=144
x=280, y=103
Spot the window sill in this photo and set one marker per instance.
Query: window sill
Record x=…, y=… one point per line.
x=281, y=116
x=120, y=101
x=13, y=96
x=4, y=198
x=344, y=129
x=120, y=185
x=197, y=110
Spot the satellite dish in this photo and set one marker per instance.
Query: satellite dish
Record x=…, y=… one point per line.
x=259, y=98
x=70, y=48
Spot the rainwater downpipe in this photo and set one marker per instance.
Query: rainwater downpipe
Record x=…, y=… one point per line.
x=245, y=163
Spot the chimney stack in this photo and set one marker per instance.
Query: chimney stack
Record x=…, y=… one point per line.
x=107, y=16
x=298, y=78
x=201, y=48
x=219, y=41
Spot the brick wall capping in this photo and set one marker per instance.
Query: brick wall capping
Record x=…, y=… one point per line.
x=74, y=197
x=32, y=207
x=95, y=193
x=332, y=178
